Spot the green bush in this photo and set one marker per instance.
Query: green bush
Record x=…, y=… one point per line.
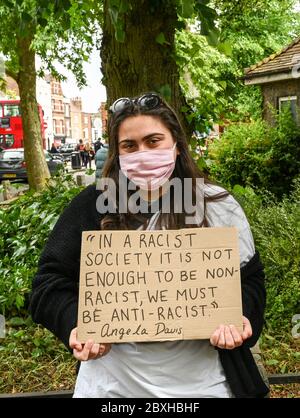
x=24, y=229
x=257, y=154
x=276, y=229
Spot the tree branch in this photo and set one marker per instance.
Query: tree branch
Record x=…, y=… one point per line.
x=12, y=74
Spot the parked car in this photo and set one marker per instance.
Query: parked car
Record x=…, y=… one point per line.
x=13, y=165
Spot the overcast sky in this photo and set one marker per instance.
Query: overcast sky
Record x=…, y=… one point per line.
x=95, y=92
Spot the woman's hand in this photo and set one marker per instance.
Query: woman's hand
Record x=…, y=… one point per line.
x=87, y=351
x=229, y=337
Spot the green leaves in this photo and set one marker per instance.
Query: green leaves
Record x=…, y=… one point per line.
x=257, y=154
x=117, y=9
x=237, y=34
x=187, y=8
x=166, y=92
x=120, y=34
x=208, y=18
x=160, y=39
x=24, y=228
x=245, y=161
x=201, y=12
x=272, y=362
x=32, y=360
x=201, y=67
x=61, y=30
x=225, y=48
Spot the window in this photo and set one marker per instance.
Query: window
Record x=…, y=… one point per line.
x=55, y=88
x=289, y=102
x=4, y=122
x=55, y=105
x=58, y=125
x=62, y=127
x=6, y=141
x=11, y=110
x=9, y=139
x=67, y=110
x=68, y=128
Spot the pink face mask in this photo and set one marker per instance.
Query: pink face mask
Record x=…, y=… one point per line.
x=149, y=169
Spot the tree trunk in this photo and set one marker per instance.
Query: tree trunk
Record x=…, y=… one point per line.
x=141, y=64
x=36, y=166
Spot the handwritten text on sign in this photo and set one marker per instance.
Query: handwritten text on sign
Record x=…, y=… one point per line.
x=158, y=285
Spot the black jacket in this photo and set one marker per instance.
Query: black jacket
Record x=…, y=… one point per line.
x=54, y=297
x=238, y=364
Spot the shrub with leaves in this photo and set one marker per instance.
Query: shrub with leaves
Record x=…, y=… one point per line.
x=276, y=229
x=256, y=154
x=24, y=229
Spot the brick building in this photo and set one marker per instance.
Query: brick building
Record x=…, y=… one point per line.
x=11, y=89
x=58, y=111
x=104, y=116
x=86, y=127
x=76, y=118
x=68, y=125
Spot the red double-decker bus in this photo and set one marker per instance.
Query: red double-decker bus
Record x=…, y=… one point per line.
x=11, y=130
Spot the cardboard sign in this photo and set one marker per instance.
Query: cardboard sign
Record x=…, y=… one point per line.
x=158, y=285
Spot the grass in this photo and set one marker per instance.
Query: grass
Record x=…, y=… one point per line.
x=33, y=360
x=280, y=355
x=285, y=391
x=89, y=171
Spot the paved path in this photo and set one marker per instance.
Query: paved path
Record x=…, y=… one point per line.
x=15, y=190
x=88, y=179
x=18, y=187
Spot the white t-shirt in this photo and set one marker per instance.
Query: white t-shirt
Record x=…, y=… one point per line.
x=172, y=369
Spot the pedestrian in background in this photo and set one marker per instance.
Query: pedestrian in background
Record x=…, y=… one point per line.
x=88, y=153
x=97, y=145
x=53, y=149
x=80, y=148
x=100, y=158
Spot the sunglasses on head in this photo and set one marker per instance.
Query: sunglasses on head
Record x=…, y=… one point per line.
x=145, y=102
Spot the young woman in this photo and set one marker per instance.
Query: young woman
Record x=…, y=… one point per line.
x=148, y=145
x=88, y=152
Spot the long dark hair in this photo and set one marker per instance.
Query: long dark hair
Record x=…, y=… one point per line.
x=185, y=167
